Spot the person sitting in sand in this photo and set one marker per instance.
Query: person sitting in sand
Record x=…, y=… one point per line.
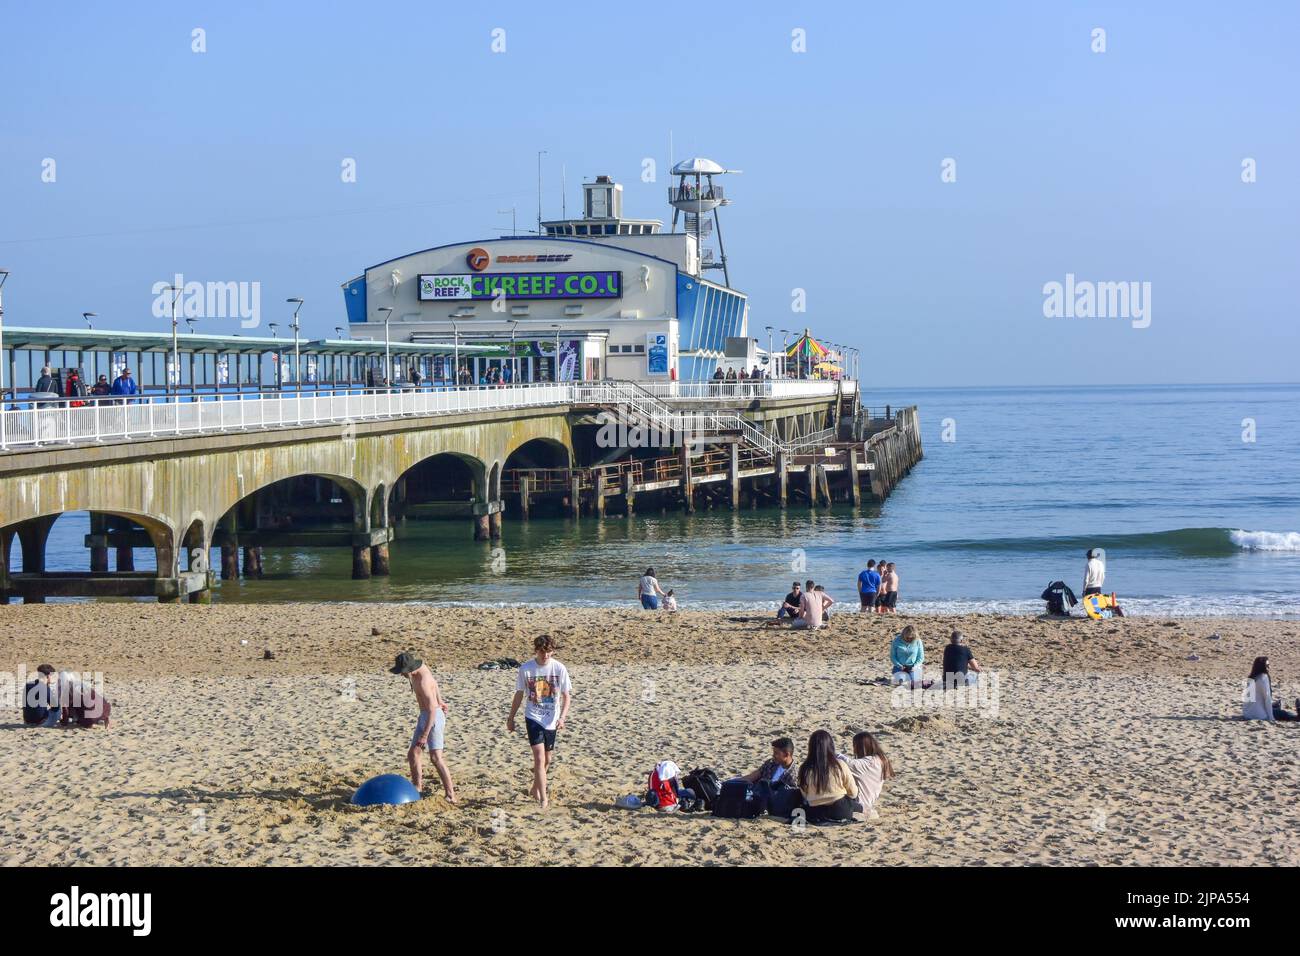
x=41, y=699
x=790, y=606
x=430, y=728
x=829, y=790
x=870, y=769
x=649, y=591
x=79, y=704
x=1257, y=701
x=779, y=769
x=827, y=601
x=959, y=664
x=907, y=657
x=546, y=683
x=812, y=609
x=670, y=600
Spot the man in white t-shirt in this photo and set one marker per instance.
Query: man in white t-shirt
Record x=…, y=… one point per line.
x=545, y=681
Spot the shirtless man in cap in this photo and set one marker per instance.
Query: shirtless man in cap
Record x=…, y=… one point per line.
x=429, y=728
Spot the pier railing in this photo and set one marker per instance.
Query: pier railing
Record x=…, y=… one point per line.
x=88, y=420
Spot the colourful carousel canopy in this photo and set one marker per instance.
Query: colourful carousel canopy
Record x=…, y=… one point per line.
x=806, y=348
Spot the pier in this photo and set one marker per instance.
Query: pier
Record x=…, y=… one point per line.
x=345, y=468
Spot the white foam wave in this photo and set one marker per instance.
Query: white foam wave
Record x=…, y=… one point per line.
x=1266, y=540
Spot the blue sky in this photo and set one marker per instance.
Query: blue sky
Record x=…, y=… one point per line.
x=1116, y=166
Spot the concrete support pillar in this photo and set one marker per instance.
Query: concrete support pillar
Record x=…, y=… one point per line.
x=379, y=560
x=782, y=479
x=494, y=525
x=688, y=489
x=6, y=544
x=524, y=482
x=125, y=557
x=99, y=552
x=252, y=563
x=598, y=494
x=229, y=561
x=824, y=482
x=855, y=489
x=482, y=528
x=812, y=486
x=575, y=495
x=733, y=475
x=360, y=562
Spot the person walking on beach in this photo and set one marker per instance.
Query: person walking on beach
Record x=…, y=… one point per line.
x=1094, y=575
x=907, y=657
x=649, y=591
x=889, y=590
x=868, y=585
x=545, y=681
x=429, y=729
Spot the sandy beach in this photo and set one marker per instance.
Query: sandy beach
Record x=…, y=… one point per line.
x=1106, y=743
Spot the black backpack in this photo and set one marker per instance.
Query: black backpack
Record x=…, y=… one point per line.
x=740, y=799
x=1059, y=598
x=784, y=801
x=706, y=786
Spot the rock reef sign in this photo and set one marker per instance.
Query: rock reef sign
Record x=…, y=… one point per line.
x=522, y=285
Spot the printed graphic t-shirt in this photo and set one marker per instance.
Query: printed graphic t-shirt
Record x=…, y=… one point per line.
x=543, y=684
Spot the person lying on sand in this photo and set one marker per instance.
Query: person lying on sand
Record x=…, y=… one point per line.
x=546, y=682
x=429, y=729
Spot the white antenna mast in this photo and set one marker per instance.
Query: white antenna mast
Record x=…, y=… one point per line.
x=564, y=214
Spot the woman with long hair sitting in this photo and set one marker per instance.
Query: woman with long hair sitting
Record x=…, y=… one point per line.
x=829, y=790
x=870, y=769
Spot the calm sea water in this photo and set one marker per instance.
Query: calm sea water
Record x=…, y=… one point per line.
x=1194, y=519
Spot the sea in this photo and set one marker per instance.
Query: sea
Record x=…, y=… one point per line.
x=1193, y=492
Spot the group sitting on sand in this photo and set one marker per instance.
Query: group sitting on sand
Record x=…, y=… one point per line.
x=59, y=699
x=805, y=609
x=827, y=787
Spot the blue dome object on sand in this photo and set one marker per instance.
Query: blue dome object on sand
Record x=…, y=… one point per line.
x=387, y=788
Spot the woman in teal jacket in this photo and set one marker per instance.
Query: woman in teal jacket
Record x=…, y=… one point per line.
x=907, y=655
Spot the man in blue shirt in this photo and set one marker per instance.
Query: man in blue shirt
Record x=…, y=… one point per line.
x=124, y=384
x=869, y=586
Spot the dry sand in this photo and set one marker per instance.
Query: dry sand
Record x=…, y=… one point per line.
x=1107, y=744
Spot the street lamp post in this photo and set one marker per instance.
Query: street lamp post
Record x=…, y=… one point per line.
x=555, y=374
x=771, y=359
x=88, y=316
x=388, y=353
x=514, y=360
x=455, y=354
x=4, y=274
x=297, y=363
x=176, y=349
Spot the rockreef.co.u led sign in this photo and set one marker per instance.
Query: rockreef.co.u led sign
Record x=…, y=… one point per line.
x=522, y=285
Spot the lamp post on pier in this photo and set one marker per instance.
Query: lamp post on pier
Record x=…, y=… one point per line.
x=297, y=363
x=388, y=354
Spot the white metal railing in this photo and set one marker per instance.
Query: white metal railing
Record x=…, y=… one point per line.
x=68, y=421
x=730, y=391
x=90, y=420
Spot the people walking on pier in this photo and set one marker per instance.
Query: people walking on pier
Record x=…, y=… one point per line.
x=124, y=386
x=546, y=683
x=649, y=591
x=101, y=387
x=430, y=728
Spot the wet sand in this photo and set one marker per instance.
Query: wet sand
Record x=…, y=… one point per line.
x=1103, y=744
